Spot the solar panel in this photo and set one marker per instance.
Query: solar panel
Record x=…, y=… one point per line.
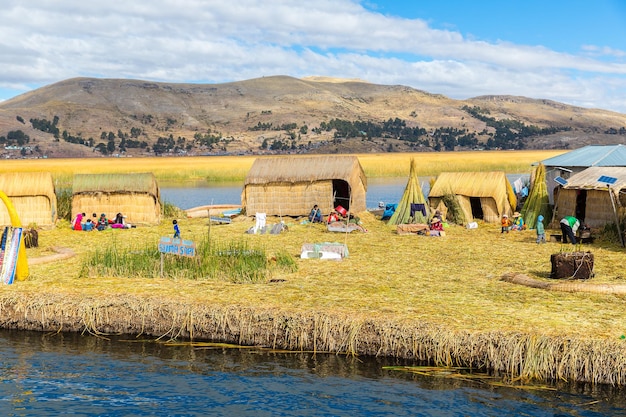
x=608, y=180
x=560, y=180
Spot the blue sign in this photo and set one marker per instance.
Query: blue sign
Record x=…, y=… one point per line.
x=177, y=246
x=561, y=181
x=608, y=180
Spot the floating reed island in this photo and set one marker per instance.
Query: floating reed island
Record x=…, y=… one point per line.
x=436, y=300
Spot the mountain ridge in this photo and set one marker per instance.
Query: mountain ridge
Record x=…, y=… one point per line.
x=239, y=117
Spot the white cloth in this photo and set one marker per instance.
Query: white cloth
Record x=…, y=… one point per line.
x=260, y=221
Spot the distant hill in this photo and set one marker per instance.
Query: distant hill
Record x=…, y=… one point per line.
x=83, y=117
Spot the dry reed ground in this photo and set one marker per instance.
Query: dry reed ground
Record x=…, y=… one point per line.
x=436, y=299
x=451, y=281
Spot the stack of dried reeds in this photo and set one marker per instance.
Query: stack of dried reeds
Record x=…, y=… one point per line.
x=537, y=202
x=412, y=195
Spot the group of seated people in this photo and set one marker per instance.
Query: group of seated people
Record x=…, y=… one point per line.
x=516, y=224
x=99, y=223
x=339, y=215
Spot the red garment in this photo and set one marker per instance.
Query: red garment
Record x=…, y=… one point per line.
x=78, y=222
x=437, y=225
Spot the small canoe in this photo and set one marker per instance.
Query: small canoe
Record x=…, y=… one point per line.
x=227, y=210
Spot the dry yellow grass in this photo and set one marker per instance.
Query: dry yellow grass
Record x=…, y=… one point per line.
x=235, y=168
x=452, y=280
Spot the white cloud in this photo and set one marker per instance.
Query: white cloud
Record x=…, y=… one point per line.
x=43, y=42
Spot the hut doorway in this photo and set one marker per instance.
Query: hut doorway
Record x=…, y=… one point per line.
x=477, y=208
x=581, y=205
x=341, y=194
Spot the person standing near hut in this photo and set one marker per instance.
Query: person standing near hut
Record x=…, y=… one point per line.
x=569, y=227
x=541, y=231
x=505, y=223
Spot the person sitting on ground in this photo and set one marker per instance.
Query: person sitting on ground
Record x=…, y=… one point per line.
x=120, y=222
x=518, y=222
x=436, y=226
x=88, y=226
x=506, y=224
x=333, y=217
x=316, y=215
x=103, y=223
x=78, y=220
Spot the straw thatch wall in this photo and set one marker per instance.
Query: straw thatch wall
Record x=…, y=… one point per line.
x=134, y=195
x=598, y=206
x=32, y=195
x=492, y=188
x=523, y=356
x=291, y=185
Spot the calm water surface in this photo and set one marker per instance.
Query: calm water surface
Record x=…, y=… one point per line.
x=71, y=374
x=185, y=196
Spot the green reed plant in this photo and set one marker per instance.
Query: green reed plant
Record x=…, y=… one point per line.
x=64, y=204
x=231, y=261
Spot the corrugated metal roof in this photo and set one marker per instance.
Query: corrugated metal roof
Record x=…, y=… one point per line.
x=588, y=179
x=590, y=156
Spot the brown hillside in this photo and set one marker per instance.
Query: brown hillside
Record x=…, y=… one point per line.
x=87, y=107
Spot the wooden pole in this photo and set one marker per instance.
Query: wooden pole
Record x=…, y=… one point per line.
x=619, y=231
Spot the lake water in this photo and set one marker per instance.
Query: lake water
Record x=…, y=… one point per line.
x=185, y=196
x=78, y=375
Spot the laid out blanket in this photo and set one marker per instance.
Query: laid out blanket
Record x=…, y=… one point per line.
x=413, y=229
x=343, y=227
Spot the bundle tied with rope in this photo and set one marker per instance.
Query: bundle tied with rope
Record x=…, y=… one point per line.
x=572, y=265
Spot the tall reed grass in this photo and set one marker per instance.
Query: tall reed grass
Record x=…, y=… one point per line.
x=235, y=168
x=232, y=261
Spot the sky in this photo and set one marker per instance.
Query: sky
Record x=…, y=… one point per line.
x=571, y=51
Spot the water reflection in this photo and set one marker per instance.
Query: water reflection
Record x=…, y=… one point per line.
x=84, y=375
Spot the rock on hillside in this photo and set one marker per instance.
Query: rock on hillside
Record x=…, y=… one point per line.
x=239, y=117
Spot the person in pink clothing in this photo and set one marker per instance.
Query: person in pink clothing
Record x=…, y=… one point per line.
x=77, y=224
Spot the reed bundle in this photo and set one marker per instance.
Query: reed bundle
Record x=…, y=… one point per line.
x=537, y=203
x=412, y=195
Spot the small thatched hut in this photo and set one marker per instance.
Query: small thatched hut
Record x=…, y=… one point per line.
x=481, y=195
x=291, y=185
x=32, y=195
x=589, y=200
x=134, y=195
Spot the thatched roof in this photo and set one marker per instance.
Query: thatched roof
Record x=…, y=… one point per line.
x=25, y=184
x=588, y=179
x=475, y=184
x=297, y=169
x=116, y=183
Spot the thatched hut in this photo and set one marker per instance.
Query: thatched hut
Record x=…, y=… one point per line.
x=481, y=195
x=32, y=195
x=589, y=200
x=134, y=195
x=291, y=185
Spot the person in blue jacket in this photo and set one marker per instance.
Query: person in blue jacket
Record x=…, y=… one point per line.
x=316, y=215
